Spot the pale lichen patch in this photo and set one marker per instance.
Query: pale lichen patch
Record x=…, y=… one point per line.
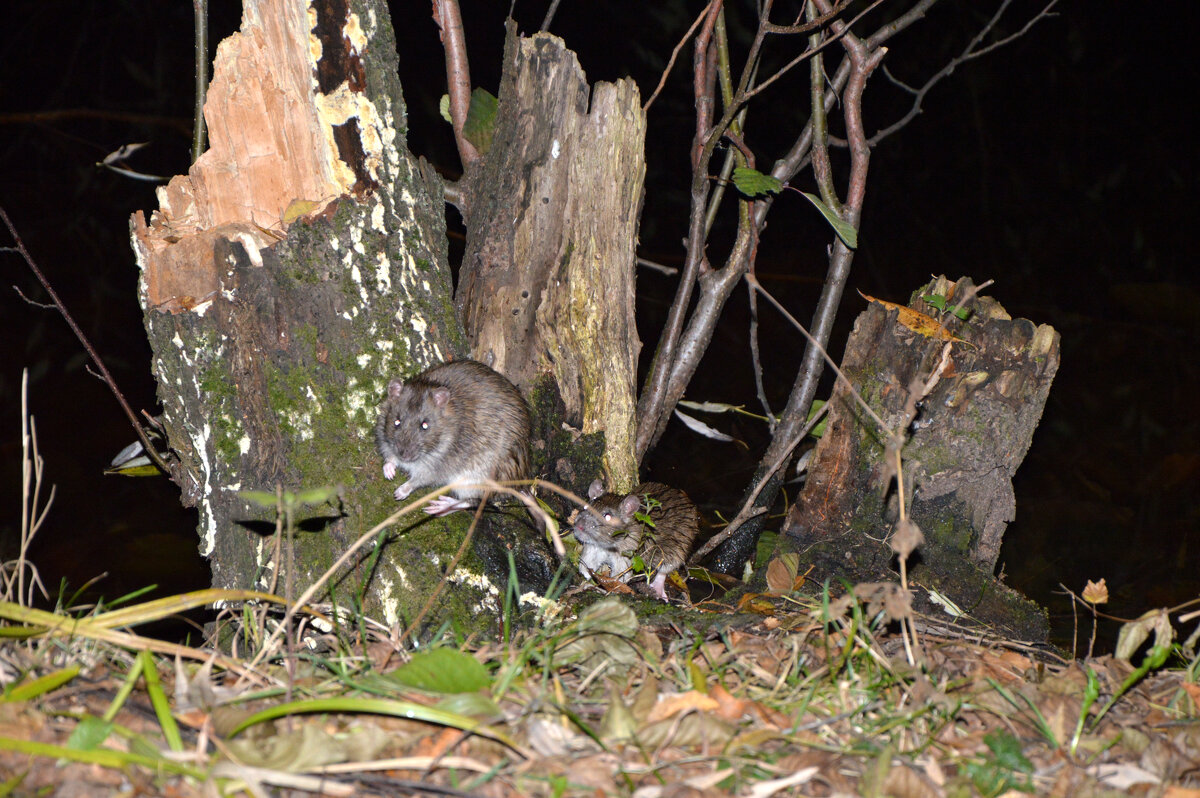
x=383, y=274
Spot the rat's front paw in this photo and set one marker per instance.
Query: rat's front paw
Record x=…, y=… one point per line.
x=389, y=471
x=403, y=491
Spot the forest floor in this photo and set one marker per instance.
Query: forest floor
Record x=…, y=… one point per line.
x=799, y=697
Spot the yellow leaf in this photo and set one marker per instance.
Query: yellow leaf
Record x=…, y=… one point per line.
x=1095, y=592
x=299, y=207
x=917, y=321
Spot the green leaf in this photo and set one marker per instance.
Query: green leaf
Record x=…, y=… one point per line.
x=89, y=734
x=443, y=670
x=481, y=120
x=317, y=495
x=818, y=430
x=41, y=685
x=259, y=497
x=377, y=706
x=474, y=705
x=844, y=231
x=1007, y=749
x=753, y=183
x=937, y=300
x=160, y=702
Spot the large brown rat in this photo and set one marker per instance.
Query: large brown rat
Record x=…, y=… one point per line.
x=610, y=534
x=457, y=422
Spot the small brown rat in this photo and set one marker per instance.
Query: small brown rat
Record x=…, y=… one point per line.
x=610, y=534
x=457, y=422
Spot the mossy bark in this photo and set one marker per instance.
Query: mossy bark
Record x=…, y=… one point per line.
x=277, y=311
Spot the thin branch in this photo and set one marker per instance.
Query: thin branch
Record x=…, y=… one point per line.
x=662, y=81
x=650, y=415
x=199, y=132
x=550, y=12
x=28, y=301
x=790, y=164
x=87, y=345
x=822, y=169
x=812, y=340
x=809, y=53
x=748, y=510
x=458, y=74
x=670, y=271
x=756, y=358
x=969, y=53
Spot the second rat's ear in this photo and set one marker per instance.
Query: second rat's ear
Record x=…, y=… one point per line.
x=441, y=396
x=595, y=490
x=394, y=388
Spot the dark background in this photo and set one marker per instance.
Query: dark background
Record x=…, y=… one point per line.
x=1062, y=166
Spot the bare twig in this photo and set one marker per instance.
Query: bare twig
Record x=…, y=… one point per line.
x=750, y=94
x=812, y=341
x=748, y=510
x=822, y=169
x=87, y=345
x=756, y=358
x=670, y=271
x=969, y=53
x=458, y=74
x=550, y=12
x=651, y=404
x=199, y=132
x=662, y=81
x=28, y=301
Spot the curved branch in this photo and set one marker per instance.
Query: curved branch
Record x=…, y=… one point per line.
x=458, y=74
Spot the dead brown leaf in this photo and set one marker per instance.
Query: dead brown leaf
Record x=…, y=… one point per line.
x=673, y=705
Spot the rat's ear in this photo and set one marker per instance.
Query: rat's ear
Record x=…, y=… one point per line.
x=441, y=396
x=595, y=490
x=630, y=505
x=395, y=388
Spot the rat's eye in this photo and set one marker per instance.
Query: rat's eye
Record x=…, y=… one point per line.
x=607, y=517
x=396, y=423
x=424, y=425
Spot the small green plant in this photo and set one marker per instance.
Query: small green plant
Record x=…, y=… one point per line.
x=939, y=302
x=1004, y=770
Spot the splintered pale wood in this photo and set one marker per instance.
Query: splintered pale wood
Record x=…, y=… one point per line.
x=547, y=281
x=274, y=141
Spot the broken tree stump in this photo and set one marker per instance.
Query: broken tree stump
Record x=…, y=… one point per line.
x=547, y=279
x=965, y=442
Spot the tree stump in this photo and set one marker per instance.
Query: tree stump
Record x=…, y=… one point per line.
x=298, y=266
x=547, y=279
x=968, y=436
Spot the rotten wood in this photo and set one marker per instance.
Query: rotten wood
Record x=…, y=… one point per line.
x=968, y=438
x=547, y=280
